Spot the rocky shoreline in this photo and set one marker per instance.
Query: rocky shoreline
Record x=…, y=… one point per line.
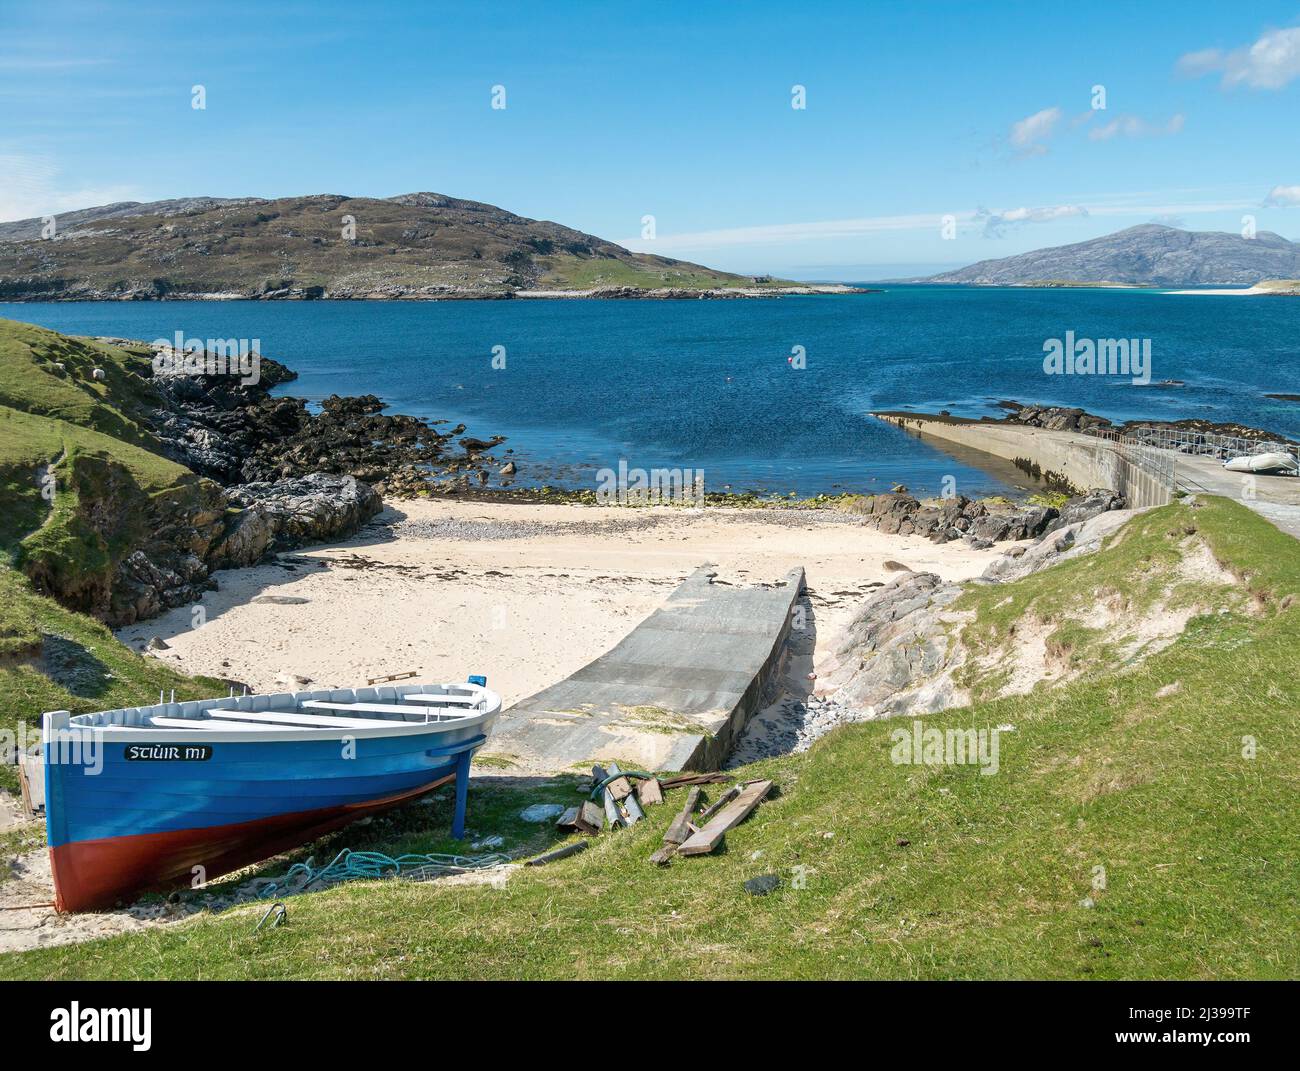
x=389, y=292
x=269, y=475
x=1069, y=418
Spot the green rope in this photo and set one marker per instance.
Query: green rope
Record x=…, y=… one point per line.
x=349, y=865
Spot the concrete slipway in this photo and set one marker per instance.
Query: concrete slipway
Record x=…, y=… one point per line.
x=671, y=695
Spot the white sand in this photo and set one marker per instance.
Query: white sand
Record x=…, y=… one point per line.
x=525, y=594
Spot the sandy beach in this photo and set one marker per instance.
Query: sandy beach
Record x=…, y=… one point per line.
x=525, y=594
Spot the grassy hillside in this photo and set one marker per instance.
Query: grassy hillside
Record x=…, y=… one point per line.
x=321, y=246
x=107, y=484
x=80, y=484
x=54, y=659
x=907, y=871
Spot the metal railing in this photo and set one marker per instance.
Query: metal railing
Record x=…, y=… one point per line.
x=1155, y=450
x=1143, y=456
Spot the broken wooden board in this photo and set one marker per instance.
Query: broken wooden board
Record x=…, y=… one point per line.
x=678, y=780
x=585, y=818
x=648, y=792
x=735, y=812
x=720, y=802
x=679, y=830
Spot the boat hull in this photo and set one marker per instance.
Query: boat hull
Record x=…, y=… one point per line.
x=137, y=802
x=91, y=875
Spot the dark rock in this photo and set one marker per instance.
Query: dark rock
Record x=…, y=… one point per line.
x=762, y=885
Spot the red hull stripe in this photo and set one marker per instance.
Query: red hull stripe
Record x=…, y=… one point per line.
x=94, y=874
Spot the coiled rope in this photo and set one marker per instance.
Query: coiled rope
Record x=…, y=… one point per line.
x=349, y=865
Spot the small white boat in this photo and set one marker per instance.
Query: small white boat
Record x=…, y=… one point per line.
x=1264, y=464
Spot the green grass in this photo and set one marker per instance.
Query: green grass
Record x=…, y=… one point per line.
x=888, y=871
x=575, y=273
x=54, y=659
x=31, y=381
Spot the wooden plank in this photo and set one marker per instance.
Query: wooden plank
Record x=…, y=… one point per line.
x=648, y=793
x=559, y=853
x=679, y=830
x=678, y=780
x=708, y=838
x=301, y=721
x=213, y=723
x=719, y=803
x=391, y=677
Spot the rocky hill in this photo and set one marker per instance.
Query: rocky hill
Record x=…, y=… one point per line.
x=1146, y=255
x=420, y=245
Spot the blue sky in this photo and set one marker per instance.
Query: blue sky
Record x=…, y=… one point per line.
x=682, y=111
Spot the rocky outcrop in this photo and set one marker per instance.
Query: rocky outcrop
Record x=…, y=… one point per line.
x=1192, y=437
x=897, y=654
x=901, y=652
x=286, y=513
x=944, y=520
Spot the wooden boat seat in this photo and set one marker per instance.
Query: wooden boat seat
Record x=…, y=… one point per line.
x=453, y=700
x=376, y=708
x=293, y=718
x=207, y=723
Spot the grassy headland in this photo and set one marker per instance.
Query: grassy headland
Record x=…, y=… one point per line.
x=1140, y=825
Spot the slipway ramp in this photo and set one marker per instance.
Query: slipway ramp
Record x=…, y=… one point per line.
x=672, y=695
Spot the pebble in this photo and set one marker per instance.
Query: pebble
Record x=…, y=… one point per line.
x=794, y=727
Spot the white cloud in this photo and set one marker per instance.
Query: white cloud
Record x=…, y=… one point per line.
x=1028, y=134
x=1131, y=126
x=1143, y=205
x=32, y=188
x=1282, y=197
x=779, y=233
x=1272, y=62
x=996, y=223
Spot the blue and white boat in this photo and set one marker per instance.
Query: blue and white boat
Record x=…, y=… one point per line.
x=153, y=797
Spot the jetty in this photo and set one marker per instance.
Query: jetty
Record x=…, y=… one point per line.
x=1149, y=470
x=671, y=695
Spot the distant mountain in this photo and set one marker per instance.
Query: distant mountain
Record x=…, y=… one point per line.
x=420, y=245
x=1146, y=255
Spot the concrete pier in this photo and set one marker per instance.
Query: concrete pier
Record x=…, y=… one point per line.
x=1084, y=460
x=1087, y=461
x=671, y=695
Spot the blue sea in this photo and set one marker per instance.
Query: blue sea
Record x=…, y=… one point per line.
x=711, y=385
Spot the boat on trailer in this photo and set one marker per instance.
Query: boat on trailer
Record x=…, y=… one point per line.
x=146, y=798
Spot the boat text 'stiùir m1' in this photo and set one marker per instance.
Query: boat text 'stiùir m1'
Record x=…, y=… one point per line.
x=179, y=793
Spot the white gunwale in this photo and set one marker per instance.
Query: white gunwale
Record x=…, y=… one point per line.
x=226, y=720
